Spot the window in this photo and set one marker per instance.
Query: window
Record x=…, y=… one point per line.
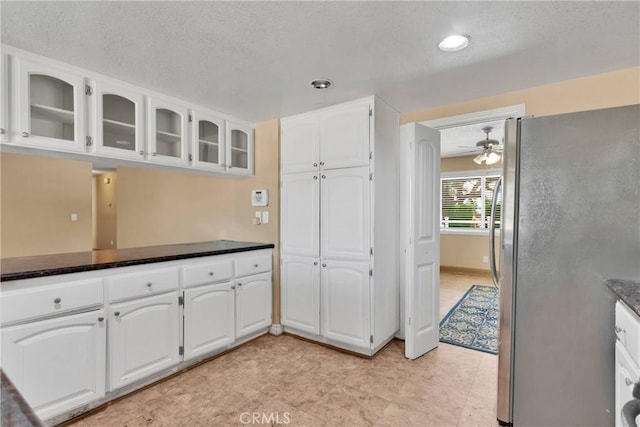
x=466, y=201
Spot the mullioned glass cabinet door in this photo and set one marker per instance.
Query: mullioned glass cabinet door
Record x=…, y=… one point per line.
x=209, y=135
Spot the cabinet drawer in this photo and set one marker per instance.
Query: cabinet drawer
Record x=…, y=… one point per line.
x=628, y=330
x=51, y=299
x=210, y=272
x=143, y=284
x=253, y=265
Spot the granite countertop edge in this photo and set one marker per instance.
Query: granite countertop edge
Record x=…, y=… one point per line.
x=628, y=291
x=21, y=268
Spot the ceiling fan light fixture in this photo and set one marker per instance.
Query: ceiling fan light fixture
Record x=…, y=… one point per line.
x=454, y=42
x=492, y=158
x=480, y=158
x=321, y=84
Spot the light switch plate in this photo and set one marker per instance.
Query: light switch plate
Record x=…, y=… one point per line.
x=265, y=217
x=74, y=217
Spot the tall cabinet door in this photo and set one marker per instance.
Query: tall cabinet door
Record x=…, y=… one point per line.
x=300, y=288
x=300, y=144
x=300, y=214
x=143, y=338
x=345, y=302
x=4, y=125
x=49, y=106
x=345, y=223
x=57, y=364
x=118, y=121
x=167, y=132
x=253, y=303
x=208, y=319
x=345, y=136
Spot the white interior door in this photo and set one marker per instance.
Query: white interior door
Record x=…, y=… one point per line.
x=422, y=242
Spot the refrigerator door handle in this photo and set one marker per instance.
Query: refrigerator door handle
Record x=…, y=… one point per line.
x=492, y=232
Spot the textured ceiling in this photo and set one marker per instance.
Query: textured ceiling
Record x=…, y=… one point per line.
x=255, y=60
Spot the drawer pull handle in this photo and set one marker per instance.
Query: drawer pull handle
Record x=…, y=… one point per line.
x=148, y=284
x=100, y=319
x=57, y=301
x=117, y=313
x=618, y=329
x=255, y=265
x=628, y=381
x=211, y=273
x=233, y=287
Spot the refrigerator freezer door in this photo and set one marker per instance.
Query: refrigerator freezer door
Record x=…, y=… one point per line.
x=577, y=223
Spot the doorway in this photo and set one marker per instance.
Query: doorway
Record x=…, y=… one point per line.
x=104, y=212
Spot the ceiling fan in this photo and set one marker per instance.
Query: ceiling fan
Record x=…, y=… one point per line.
x=489, y=149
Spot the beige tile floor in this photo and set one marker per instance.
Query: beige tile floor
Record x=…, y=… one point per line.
x=293, y=382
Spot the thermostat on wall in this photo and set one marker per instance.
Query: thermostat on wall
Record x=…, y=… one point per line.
x=259, y=197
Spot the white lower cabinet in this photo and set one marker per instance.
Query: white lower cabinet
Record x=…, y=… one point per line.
x=209, y=322
x=300, y=288
x=57, y=364
x=253, y=304
x=627, y=368
x=345, y=302
x=143, y=338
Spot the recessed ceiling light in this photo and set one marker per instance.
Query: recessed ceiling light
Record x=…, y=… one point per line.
x=321, y=84
x=455, y=42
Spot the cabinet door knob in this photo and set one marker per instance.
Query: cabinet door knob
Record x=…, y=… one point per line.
x=233, y=287
x=255, y=265
x=141, y=152
x=2, y=131
x=117, y=313
x=324, y=265
x=100, y=319
x=315, y=262
x=324, y=177
x=315, y=177
x=321, y=163
x=628, y=381
x=149, y=284
x=315, y=165
x=25, y=134
x=57, y=301
x=239, y=284
x=618, y=329
x=211, y=273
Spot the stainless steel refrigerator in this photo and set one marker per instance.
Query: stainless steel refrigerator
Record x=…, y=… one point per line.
x=570, y=218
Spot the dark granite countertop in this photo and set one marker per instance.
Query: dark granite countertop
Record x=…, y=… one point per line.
x=75, y=262
x=15, y=410
x=628, y=291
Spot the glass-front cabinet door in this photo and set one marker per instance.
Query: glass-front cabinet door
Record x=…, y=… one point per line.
x=119, y=121
x=209, y=138
x=4, y=126
x=239, y=148
x=167, y=132
x=49, y=106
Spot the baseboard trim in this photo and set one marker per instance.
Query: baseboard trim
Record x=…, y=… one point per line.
x=275, y=329
x=464, y=270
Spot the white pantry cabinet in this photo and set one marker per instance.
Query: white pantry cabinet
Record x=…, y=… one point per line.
x=209, y=318
x=300, y=278
x=340, y=209
x=209, y=145
x=117, y=120
x=143, y=338
x=335, y=137
x=240, y=148
x=253, y=304
x=48, y=106
x=57, y=364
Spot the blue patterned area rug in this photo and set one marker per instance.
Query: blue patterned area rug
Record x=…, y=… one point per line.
x=473, y=321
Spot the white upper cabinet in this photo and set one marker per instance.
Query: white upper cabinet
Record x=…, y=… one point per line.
x=167, y=132
x=300, y=280
x=345, y=224
x=300, y=204
x=118, y=121
x=240, y=149
x=48, y=106
x=335, y=137
x=300, y=144
x=345, y=136
x=209, y=149
x=4, y=124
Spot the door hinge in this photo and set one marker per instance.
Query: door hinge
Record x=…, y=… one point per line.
x=370, y=155
x=371, y=339
x=181, y=351
x=371, y=176
x=370, y=112
x=190, y=157
x=190, y=118
x=371, y=272
x=409, y=321
x=371, y=251
x=180, y=300
x=88, y=90
x=89, y=141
